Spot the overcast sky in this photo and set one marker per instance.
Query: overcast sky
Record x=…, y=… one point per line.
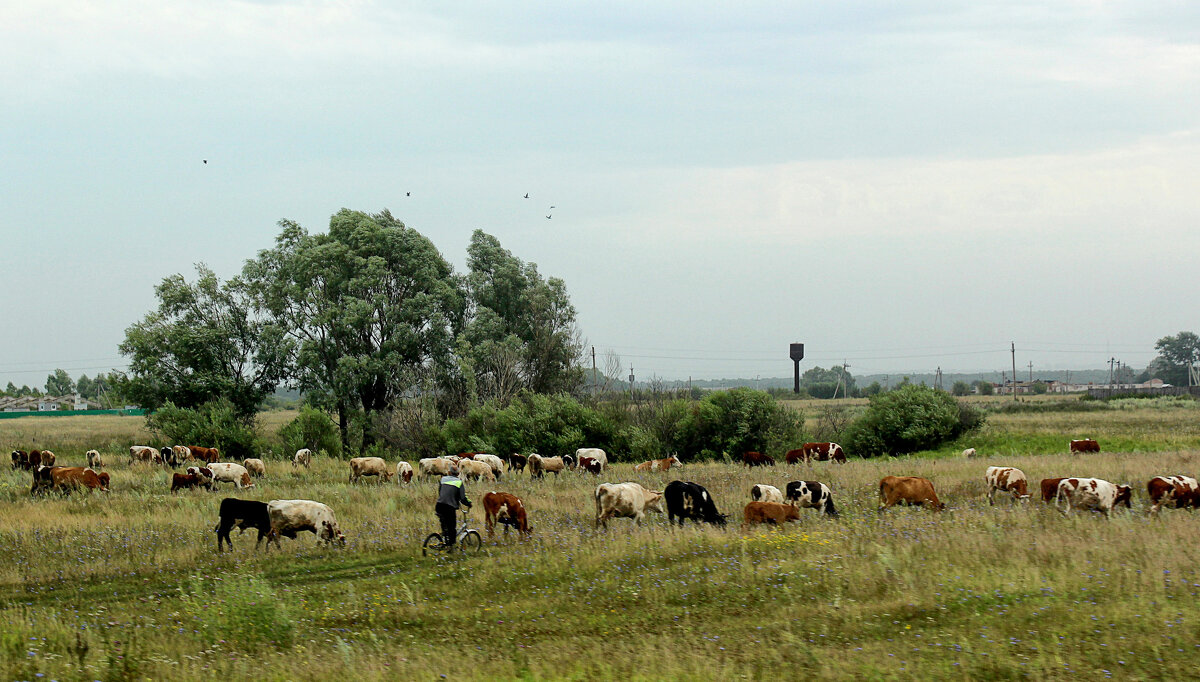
x=901, y=185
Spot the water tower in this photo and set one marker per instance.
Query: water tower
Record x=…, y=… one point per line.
x=797, y=354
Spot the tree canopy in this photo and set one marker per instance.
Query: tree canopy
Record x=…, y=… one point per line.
x=1175, y=355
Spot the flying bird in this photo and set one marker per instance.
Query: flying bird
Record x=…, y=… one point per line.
x=527, y=195
x=547, y=217
x=408, y=194
x=206, y=162
x=551, y=207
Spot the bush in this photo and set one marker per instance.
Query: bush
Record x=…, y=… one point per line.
x=986, y=388
x=732, y=422
x=961, y=388
x=312, y=429
x=909, y=419
x=547, y=424
x=214, y=424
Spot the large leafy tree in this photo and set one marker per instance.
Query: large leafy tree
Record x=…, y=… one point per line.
x=59, y=383
x=1175, y=355
x=371, y=305
x=521, y=331
x=204, y=342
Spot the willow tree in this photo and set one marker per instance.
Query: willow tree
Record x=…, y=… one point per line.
x=371, y=304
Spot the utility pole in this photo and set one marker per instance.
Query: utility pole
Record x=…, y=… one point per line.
x=1111, y=363
x=1014, y=363
x=595, y=384
x=631, y=381
x=1031, y=372
x=840, y=376
x=937, y=379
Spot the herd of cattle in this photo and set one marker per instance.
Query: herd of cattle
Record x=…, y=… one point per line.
x=684, y=500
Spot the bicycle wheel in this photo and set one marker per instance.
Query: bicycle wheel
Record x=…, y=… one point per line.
x=433, y=543
x=470, y=542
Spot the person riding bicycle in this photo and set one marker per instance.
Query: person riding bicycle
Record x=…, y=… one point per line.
x=451, y=493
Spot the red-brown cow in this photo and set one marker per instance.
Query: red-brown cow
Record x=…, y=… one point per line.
x=181, y=481
x=1084, y=445
x=1050, y=488
x=912, y=490
x=591, y=464
x=66, y=479
x=206, y=455
x=507, y=510
x=1006, y=479
x=821, y=452
x=757, y=459
x=1181, y=492
x=659, y=464
x=769, y=512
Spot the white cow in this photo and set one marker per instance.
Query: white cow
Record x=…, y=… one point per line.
x=255, y=466
x=1091, y=493
x=595, y=453
x=493, y=461
x=303, y=458
x=625, y=500
x=94, y=460
x=968, y=453
x=1006, y=479
x=766, y=493
x=289, y=517
x=369, y=466
x=404, y=472
x=228, y=472
x=142, y=453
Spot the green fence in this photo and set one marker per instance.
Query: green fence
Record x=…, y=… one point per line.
x=72, y=413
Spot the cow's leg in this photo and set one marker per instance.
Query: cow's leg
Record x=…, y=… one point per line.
x=991, y=493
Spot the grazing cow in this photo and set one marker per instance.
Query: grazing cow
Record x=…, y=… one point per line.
x=595, y=453
x=94, y=460
x=625, y=500
x=493, y=461
x=1050, y=488
x=182, y=481
x=289, y=517
x=1091, y=493
x=180, y=454
x=689, y=500
x=228, y=472
x=204, y=472
x=823, y=452
x=404, y=472
x=765, y=493
x=968, y=453
x=464, y=455
x=243, y=514
x=659, y=464
x=369, y=466
x=539, y=466
x=142, y=453
x=812, y=495
x=20, y=459
x=1180, y=492
x=66, y=479
x=469, y=469
x=757, y=459
x=912, y=490
x=507, y=510
x=35, y=459
x=206, y=455
x=166, y=456
x=48, y=458
x=516, y=462
x=255, y=466
x=1084, y=445
x=592, y=466
x=794, y=456
x=1006, y=479
x=303, y=458
x=436, y=467
x=773, y=513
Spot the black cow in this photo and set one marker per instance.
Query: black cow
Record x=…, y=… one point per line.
x=812, y=494
x=515, y=462
x=168, y=457
x=691, y=501
x=243, y=514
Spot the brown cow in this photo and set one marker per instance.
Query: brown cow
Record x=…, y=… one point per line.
x=912, y=490
x=757, y=459
x=821, y=452
x=20, y=459
x=180, y=481
x=66, y=479
x=769, y=512
x=1050, y=488
x=206, y=455
x=1181, y=492
x=1007, y=479
x=507, y=510
x=1084, y=445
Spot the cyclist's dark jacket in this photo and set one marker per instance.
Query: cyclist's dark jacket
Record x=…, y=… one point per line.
x=452, y=493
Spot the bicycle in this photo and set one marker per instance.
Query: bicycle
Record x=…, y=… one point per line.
x=467, y=541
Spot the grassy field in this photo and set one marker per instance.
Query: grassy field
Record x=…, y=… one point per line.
x=128, y=585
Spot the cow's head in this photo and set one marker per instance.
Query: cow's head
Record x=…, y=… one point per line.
x=330, y=532
x=1124, y=496
x=654, y=500
x=676, y=461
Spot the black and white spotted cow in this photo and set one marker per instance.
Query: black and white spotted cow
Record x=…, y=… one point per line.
x=812, y=494
x=691, y=501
